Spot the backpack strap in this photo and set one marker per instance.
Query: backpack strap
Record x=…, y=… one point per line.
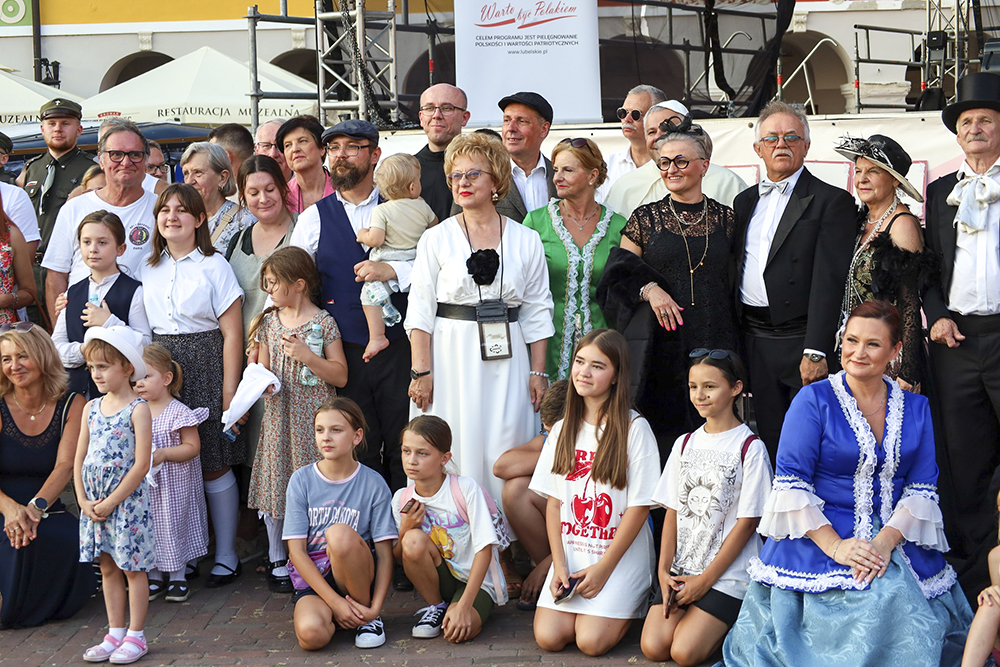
x=459, y=497
x=746, y=446
x=687, y=436
x=463, y=511
x=69, y=401
x=224, y=221
x=407, y=495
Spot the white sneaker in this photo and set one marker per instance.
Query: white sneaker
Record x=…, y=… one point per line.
x=370, y=635
x=429, y=625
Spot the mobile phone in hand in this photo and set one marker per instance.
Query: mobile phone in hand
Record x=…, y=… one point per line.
x=408, y=506
x=567, y=592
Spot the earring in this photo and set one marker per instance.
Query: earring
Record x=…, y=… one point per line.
x=495, y=197
x=591, y=183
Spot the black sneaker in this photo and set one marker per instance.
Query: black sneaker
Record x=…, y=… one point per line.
x=399, y=579
x=429, y=625
x=178, y=591
x=370, y=635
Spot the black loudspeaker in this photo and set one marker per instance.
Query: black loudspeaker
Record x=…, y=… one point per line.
x=931, y=99
x=936, y=39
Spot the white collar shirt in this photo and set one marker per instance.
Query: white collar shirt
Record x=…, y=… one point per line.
x=975, y=280
x=533, y=187
x=760, y=233
x=190, y=294
x=619, y=164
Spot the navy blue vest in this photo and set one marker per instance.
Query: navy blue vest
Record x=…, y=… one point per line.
x=337, y=253
x=119, y=300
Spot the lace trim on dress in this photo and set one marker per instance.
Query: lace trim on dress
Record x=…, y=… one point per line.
x=807, y=582
x=928, y=491
x=11, y=430
x=864, y=475
x=788, y=482
x=577, y=292
x=937, y=585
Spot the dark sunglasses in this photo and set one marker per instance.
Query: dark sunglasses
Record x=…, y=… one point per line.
x=717, y=354
x=19, y=327
x=578, y=143
x=635, y=113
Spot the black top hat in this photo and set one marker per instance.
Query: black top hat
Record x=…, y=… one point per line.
x=980, y=90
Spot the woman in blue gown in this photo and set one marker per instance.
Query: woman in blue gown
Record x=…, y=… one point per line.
x=852, y=572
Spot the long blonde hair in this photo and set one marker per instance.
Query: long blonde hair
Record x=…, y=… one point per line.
x=613, y=419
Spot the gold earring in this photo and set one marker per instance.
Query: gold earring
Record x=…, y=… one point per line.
x=495, y=197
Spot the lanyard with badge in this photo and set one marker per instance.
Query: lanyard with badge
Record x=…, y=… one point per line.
x=492, y=315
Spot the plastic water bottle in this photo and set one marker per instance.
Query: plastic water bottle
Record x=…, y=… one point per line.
x=379, y=296
x=314, y=341
x=95, y=299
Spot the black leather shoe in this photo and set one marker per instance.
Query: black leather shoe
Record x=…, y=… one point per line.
x=216, y=580
x=277, y=584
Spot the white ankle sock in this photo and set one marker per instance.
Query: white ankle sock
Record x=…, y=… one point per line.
x=137, y=634
x=224, y=506
x=118, y=634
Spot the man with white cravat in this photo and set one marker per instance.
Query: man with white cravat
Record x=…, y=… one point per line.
x=963, y=311
x=794, y=240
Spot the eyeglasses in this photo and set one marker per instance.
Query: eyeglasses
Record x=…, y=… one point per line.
x=133, y=156
x=445, y=109
x=19, y=327
x=678, y=161
x=350, y=150
x=772, y=139
x=265, y=146
x=718, y=355
x=158, y=168
x=635, y=113
x=473, y=175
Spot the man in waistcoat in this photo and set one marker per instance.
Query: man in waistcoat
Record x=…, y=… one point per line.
x=328, y=231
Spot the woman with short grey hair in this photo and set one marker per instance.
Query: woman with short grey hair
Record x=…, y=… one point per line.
x=206, y=167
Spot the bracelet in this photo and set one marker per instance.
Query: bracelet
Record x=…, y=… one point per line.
x=839, y=542
x=15, y=300
x=539, y=374
x=644, y=291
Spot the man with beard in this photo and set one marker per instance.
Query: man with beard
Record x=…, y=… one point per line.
x=328, y=231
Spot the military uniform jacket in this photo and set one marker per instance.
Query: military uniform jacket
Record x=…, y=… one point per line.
x=69, y=174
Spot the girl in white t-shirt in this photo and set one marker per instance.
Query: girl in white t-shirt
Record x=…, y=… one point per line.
x=447, y=543
x=714, y=487
x=598, y=471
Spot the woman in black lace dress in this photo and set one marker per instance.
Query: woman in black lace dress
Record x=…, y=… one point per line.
x=670, y=286
x=889, y=262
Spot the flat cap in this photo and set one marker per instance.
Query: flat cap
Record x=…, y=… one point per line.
x=529, y=99
x=61, y=108
x=353, y=128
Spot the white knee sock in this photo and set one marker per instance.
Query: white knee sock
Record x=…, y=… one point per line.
x=178, y=576
x=276, y=552
x=224, y=506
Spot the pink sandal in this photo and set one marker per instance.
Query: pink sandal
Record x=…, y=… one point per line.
x=130, y=650
x=98, y=653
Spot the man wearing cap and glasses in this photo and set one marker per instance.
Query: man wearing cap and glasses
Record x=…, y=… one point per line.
x=794, y=241
x=328, y=231
x=443, y=114
x=645, y=185
x=963, y=309
x=123, y=154
x=631, y=114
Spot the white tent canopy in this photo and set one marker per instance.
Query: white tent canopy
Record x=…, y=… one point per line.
x=20, y=98
x=204, y=87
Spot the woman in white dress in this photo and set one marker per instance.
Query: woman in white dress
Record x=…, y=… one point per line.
x=480, y=264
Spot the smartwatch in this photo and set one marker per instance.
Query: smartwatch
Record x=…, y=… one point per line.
x=813, y=357
x=39, y=504
x=414, y=375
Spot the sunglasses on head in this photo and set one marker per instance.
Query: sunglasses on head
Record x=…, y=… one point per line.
x=716, y=354
x=623, y=112
x=579, y=142
x=19, y=327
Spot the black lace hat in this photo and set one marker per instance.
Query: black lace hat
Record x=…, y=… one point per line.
x=886, y=153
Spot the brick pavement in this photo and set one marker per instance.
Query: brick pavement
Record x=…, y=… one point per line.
x=244, y=624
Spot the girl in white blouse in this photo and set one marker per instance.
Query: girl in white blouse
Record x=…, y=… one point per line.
x=193, y=303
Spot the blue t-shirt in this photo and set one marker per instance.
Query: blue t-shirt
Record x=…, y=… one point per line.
x=314, y=503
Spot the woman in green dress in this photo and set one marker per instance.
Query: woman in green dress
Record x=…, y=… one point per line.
x=577, y=233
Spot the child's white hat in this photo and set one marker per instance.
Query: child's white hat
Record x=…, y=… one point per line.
x=125, y=340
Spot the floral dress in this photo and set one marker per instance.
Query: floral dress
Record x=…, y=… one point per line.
x=7, y=283
x=287, y=441
x=127, y=534
x=177, y=495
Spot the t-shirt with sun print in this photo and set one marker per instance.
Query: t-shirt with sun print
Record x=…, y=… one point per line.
x=709, y=489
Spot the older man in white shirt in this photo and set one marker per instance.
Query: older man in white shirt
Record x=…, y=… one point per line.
x=644, y=185
x=632, y=113
x=963, y=308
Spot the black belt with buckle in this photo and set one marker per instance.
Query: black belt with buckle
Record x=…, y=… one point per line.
x=451, y=311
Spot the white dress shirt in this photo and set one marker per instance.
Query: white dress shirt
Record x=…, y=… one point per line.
x=533, y=187
x=70, y=352
x=307, y=227
x=760, y=232
x=17, y=206
x=619, y=164
x=190, y=294
x=975, y=281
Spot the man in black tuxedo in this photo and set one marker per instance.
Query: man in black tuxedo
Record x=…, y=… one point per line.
x=795, y=235
x=963, y=309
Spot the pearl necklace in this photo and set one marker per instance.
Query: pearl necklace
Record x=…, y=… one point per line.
x=851, y=293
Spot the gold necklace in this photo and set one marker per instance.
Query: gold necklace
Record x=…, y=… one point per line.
x=30, y=416
x=687, y=248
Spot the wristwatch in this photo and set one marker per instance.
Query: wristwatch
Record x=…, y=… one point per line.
x=414, y=375
x=39, y=504
x=813, y=357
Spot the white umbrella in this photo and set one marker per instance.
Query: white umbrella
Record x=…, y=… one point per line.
x=204, y=87
x=22, y=98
